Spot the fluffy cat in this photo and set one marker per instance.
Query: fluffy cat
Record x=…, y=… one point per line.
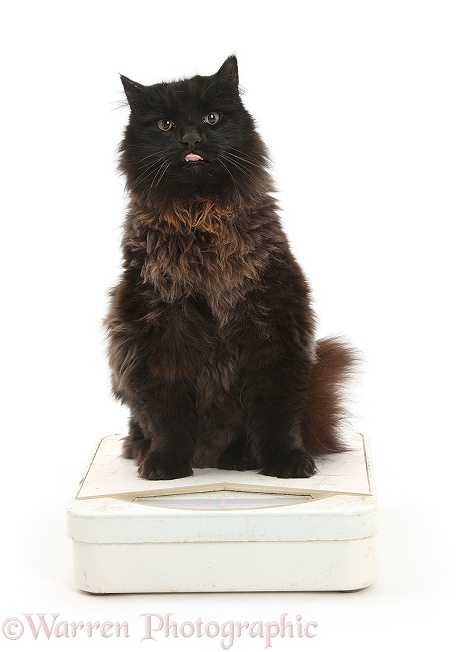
x=211, y=334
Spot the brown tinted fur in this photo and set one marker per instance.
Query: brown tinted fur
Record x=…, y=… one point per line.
x=325, y=407
x=211, y=331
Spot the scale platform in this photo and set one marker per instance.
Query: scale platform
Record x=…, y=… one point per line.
x=224, y=530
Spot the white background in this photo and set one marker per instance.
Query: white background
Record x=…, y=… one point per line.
x=366, y=108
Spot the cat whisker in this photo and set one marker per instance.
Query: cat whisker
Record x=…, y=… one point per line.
x=149, y=171
x=244, y=158
x=149, y=155
x=236, y=160
x=206, y=90
x=151, y=164
x=235, y=164
x=240, y=151
x=160, y=168
x=229, y=172
x=165, y=167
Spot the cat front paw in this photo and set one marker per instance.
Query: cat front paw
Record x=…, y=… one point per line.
x=157, y=467
x=295, y=463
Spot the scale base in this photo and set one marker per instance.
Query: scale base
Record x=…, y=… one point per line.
x=225, y=567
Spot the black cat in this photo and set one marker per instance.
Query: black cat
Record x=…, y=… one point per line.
x=211, y=333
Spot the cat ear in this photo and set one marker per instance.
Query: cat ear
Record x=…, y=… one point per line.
x=228, y=73
x=133, y=90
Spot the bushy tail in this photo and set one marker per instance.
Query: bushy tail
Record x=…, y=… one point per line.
x=325, y=411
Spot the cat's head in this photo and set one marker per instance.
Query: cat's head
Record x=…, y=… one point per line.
x=192, y=137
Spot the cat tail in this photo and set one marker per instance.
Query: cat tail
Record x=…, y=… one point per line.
x=325, y=410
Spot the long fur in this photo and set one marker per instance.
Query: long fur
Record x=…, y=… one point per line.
x=211, y=332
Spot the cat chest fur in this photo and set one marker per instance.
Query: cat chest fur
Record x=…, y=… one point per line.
x=221, y=265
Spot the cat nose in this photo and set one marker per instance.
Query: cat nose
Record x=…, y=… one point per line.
x=191, y=138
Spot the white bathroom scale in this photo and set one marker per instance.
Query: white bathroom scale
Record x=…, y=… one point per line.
x=224, y=530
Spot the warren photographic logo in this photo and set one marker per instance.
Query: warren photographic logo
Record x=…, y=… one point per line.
x=155, y=627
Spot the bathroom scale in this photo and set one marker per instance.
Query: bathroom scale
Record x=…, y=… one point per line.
x=224, y=530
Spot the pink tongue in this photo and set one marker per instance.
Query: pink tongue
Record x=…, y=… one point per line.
x=193, y=157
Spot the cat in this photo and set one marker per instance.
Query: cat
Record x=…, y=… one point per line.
x=211, y=332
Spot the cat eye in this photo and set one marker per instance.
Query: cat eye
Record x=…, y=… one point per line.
x=212, y=118
x=164, y=125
